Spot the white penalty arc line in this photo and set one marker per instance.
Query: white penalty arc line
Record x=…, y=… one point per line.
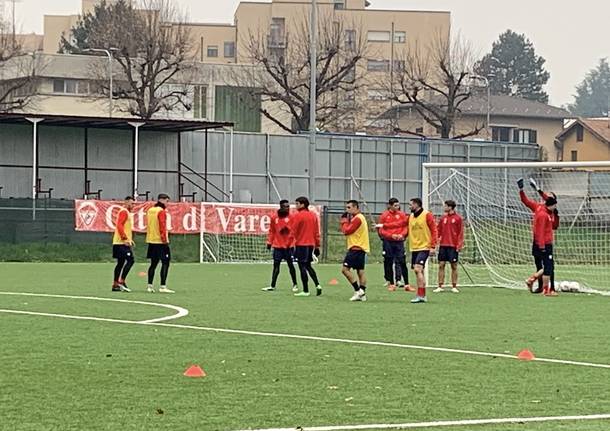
x=180, y=312
x=457, y=423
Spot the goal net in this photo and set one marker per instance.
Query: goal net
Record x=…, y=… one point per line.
x=232, y=233
x=498, y=233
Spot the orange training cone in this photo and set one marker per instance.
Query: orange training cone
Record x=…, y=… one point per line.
x=333, y=282
x=526, y=355
x=194, y=371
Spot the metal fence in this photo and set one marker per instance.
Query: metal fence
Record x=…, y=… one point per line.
x=220, y=166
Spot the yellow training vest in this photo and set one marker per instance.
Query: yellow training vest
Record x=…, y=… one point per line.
x=420, y=237
x=116, y=239
x=153, y=233
x=360, y=238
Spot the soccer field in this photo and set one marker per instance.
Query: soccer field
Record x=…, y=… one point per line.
x=117, y=373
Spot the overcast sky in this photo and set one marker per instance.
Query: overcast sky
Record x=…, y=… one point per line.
x=572, y=36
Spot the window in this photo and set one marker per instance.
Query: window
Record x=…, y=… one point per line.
x=378, y=65
x=574, y=155
x=525, y=136
x=229, y=49
x=377, y=94
x=70, y=86
x=339, y=4
x=399, y=65
x=350, y=39
x=199, y=101
x=212, y=51
x=277, y=34
x=58, y=85
x=379, y=36
x=580, y=134
x=501, y=134
x=400, y=37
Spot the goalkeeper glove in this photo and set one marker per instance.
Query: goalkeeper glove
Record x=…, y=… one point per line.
x=520, y=183
x=268, y=246
x=316, y=252
x=534, y=184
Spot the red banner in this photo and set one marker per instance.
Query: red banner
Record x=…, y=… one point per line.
x=184, y=217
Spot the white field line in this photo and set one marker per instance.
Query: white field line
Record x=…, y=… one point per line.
x=457, y=423
x=180, y=312
x=297, y=337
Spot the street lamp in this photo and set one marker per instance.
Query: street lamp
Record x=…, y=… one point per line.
x=109, y=54
x=486, y=82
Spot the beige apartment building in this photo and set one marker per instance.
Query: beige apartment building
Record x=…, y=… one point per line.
x=387, y=33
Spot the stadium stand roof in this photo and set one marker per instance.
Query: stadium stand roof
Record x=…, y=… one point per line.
x=113, y=123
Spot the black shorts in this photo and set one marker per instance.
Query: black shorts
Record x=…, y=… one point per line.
x=120, y=251
x=159, y=251
x=419, y=258
x=280, y=254
x=448, y=254
x=393, y=249
x=355, y=259
x=546, y=256
x=303, y=253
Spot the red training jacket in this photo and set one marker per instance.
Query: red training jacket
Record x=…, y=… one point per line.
x=451, y=231
x=534, y=206
x=120, y=223
x=276, y=238
x=306, y=228
x=543, y=227
x=394, y=223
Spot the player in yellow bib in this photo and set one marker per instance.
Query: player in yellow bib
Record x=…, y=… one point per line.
x=122, y=242
x=157, y=237
x=356, y=231
x=422, y=243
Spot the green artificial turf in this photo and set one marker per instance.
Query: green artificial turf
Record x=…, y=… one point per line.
x=64, y=374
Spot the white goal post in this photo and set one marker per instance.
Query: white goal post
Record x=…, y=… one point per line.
x=498, y=224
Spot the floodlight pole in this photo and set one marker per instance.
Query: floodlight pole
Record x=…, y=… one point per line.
x=313, y=37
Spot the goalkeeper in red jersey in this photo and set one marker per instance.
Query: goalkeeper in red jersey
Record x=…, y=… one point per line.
x=281, y=239
x=542, y=229
x=534, y=206
x=451, y=240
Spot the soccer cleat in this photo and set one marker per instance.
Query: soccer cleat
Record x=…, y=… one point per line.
x=551, y=293
x=400, y=284
x=455, y=290
x=302, y=294
x=116, y=289
x=150, y=289
x=295, y=288
x=530, y=283
x=164, y=289
x=386, y=284
x=419, y=300
x=438, y=290
x=123, y=288
x=268, y=289
x=391, y=288
x=408, y=288
x=358, y=296
x=318, y=290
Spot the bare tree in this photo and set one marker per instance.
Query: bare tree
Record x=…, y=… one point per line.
x=434, y=81
x=150, y=43
x=17, y=72
x=281, y=76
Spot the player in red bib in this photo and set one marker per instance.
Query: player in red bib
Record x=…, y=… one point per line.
x=451, y=239
x=534, y=206
x=281, y=239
